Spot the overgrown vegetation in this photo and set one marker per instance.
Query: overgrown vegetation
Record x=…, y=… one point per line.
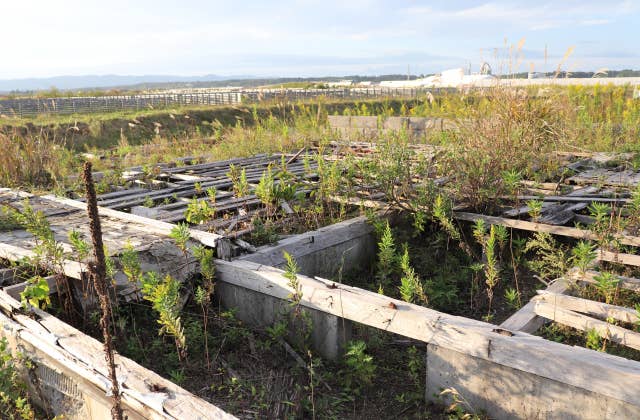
x=14, y=400
x=424, y=256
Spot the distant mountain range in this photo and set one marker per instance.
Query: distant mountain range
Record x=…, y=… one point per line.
x=92, y=82
x=101, y=82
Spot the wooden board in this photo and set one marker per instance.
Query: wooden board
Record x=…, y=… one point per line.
x=525, y=319
x=81, y=358
x=589, y=276
x=152, y=226
x=618, y=257
x=600, y=309
x=541, y=227
x=584, y=323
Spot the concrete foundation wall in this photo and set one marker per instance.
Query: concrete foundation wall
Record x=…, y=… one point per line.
x=328, y=332
x=352, y=127
x=324, y=252
x=506, y=393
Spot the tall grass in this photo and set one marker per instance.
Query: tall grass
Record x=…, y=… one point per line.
x=501, y=129
x=35, y=160
x=506, y=132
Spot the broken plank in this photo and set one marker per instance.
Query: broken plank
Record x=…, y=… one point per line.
x=583, y=191
x=294, y=157
x=560, y=214
x=523, y=210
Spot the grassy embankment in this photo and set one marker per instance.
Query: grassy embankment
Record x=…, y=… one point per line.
x=40, y=151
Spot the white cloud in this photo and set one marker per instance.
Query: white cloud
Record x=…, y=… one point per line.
x=533, y=16
x=160, y=36
x=594, y=22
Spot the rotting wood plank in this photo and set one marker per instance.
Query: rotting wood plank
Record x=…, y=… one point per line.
x=524, y=210
x=581, y=322
x=152, y=226
x=584, y=191
x=541, y=227
x=525, y=319
x=571, y=199
x=605, y=374
x=589, y=307
x=560, y=214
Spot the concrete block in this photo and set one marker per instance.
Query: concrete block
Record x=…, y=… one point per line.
x=364, y=122
x=339, y=121
x=395, y=123
x=506, y=393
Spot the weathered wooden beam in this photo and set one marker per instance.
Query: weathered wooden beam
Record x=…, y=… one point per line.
x=584, y=323
x=14, y=253
x=525, y=319
x=589, y=307
x=574, y=199
x=589, y=276
x=311, y=242
x=150, y=225
x=618, y=257
x=541, y=227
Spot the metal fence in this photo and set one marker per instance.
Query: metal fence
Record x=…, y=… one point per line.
x=350, y=93
x=22, y=107
x=78, y=105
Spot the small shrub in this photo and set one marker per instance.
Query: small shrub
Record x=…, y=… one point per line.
x=593, y=340
x=552, y=259
x=387, y=259
x=513, y=298
x=410, y=284
x=607, y=285
x=359, y=368
x=36, y=293
x=198, y=211
x=164, y=296
x=582, y=255
x=130, y=263
x=181, y=235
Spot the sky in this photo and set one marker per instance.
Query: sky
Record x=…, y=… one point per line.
x=44, y=38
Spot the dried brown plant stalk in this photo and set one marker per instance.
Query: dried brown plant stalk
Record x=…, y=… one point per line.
x=97, y=271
